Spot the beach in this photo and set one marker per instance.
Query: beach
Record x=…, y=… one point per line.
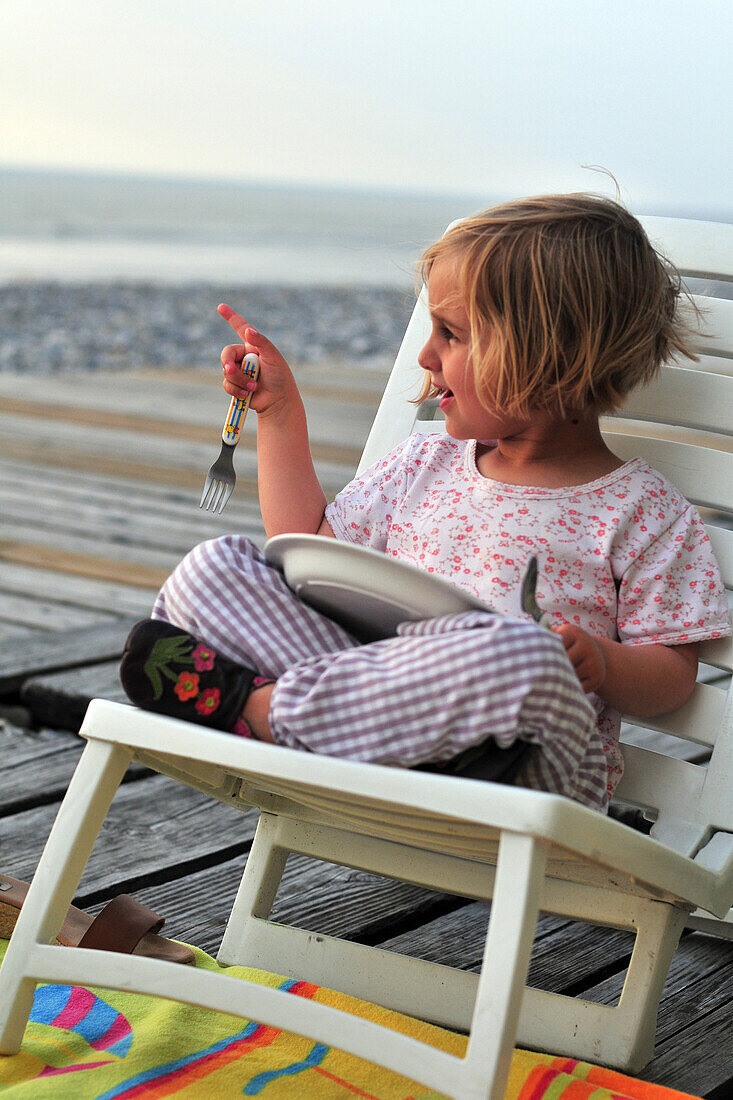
x=50, y=327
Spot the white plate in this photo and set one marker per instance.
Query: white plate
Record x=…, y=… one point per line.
x=367, y=592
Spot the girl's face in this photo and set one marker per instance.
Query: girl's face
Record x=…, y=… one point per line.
x=446, y=356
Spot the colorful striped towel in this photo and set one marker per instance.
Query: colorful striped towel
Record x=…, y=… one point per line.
x=99, y=1044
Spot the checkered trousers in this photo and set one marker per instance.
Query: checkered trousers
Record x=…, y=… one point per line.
x=436, y=689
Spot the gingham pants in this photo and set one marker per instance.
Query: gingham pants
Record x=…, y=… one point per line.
x=436, y=689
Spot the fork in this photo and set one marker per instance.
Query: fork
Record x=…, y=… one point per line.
x=221, y=478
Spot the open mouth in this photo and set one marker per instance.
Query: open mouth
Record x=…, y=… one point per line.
x=445, y=395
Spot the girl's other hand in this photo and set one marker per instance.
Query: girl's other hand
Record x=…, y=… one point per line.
x=586, y=656
x=275, y=386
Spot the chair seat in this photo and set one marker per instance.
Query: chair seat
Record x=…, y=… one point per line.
x=459, y=817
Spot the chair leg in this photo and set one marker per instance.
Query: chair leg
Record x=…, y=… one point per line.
x=501, y=987
x=620, y=1035
x=658, y=936
x=263, y=873
x=79, y=819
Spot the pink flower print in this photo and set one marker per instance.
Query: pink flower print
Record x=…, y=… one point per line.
x=209, y=701
x=203, y=658
x=187, y=686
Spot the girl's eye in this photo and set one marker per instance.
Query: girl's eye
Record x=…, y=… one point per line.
x=446, y=333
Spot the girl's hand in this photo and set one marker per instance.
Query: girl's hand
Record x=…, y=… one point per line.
x=586, y=656
x=275, y=388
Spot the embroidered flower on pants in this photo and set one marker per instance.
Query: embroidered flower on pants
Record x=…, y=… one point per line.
x=187, y=686
x=208, y=701
x=203, y=658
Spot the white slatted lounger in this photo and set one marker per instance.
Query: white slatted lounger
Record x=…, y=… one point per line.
x=527, y=850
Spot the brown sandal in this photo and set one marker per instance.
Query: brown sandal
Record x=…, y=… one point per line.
x=124, y=925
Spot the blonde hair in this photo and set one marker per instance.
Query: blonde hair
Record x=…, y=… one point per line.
x=569, y=304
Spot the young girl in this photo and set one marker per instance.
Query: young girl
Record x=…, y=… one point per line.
x=545, y=313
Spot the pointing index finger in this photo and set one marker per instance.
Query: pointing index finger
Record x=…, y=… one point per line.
x=236, y=320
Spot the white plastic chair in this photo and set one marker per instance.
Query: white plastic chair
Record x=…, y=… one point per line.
x=526, y=850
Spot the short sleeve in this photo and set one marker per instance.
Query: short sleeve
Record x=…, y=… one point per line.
x=672, y=591
x=364, y=510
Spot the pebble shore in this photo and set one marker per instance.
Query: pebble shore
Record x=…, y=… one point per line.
x=50, y=327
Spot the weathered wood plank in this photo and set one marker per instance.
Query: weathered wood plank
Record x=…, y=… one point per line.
x=37, y=766
x=196, y=389
x=157, y=449
x=89, y=545
x=63, y=650
x=48, y=615
x=156, y=829
x=700, y=1062
x=324, y=898
x=80, y=563
x=10, y=631
x=62, y=698
x=194, y=402
x=93, y=488
x=96, y=497
x=117, y=527
x=563, y=949
x=120, y=600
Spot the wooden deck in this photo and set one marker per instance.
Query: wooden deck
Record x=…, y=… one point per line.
x=92, y=519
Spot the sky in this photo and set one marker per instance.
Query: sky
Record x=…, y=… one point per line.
x=454, y=97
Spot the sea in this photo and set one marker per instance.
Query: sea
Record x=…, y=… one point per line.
x=81, y=227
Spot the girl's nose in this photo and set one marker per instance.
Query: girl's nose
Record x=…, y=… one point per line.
x=427, y=358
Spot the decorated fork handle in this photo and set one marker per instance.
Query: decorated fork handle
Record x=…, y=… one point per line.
x=238, y=408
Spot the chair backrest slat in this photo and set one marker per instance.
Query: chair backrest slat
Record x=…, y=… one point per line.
x=707, y=364
x=697, y=721
x=715, y=330
x=703, y=475
x=702, y=250
x=718, y=652
x=689, y=398
x=653, y=781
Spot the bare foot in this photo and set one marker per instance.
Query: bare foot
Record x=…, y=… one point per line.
x=256, y=712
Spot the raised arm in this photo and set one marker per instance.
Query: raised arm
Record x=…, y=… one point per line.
x=291, y=498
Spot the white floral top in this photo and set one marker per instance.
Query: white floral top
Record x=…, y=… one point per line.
x=625, y=557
